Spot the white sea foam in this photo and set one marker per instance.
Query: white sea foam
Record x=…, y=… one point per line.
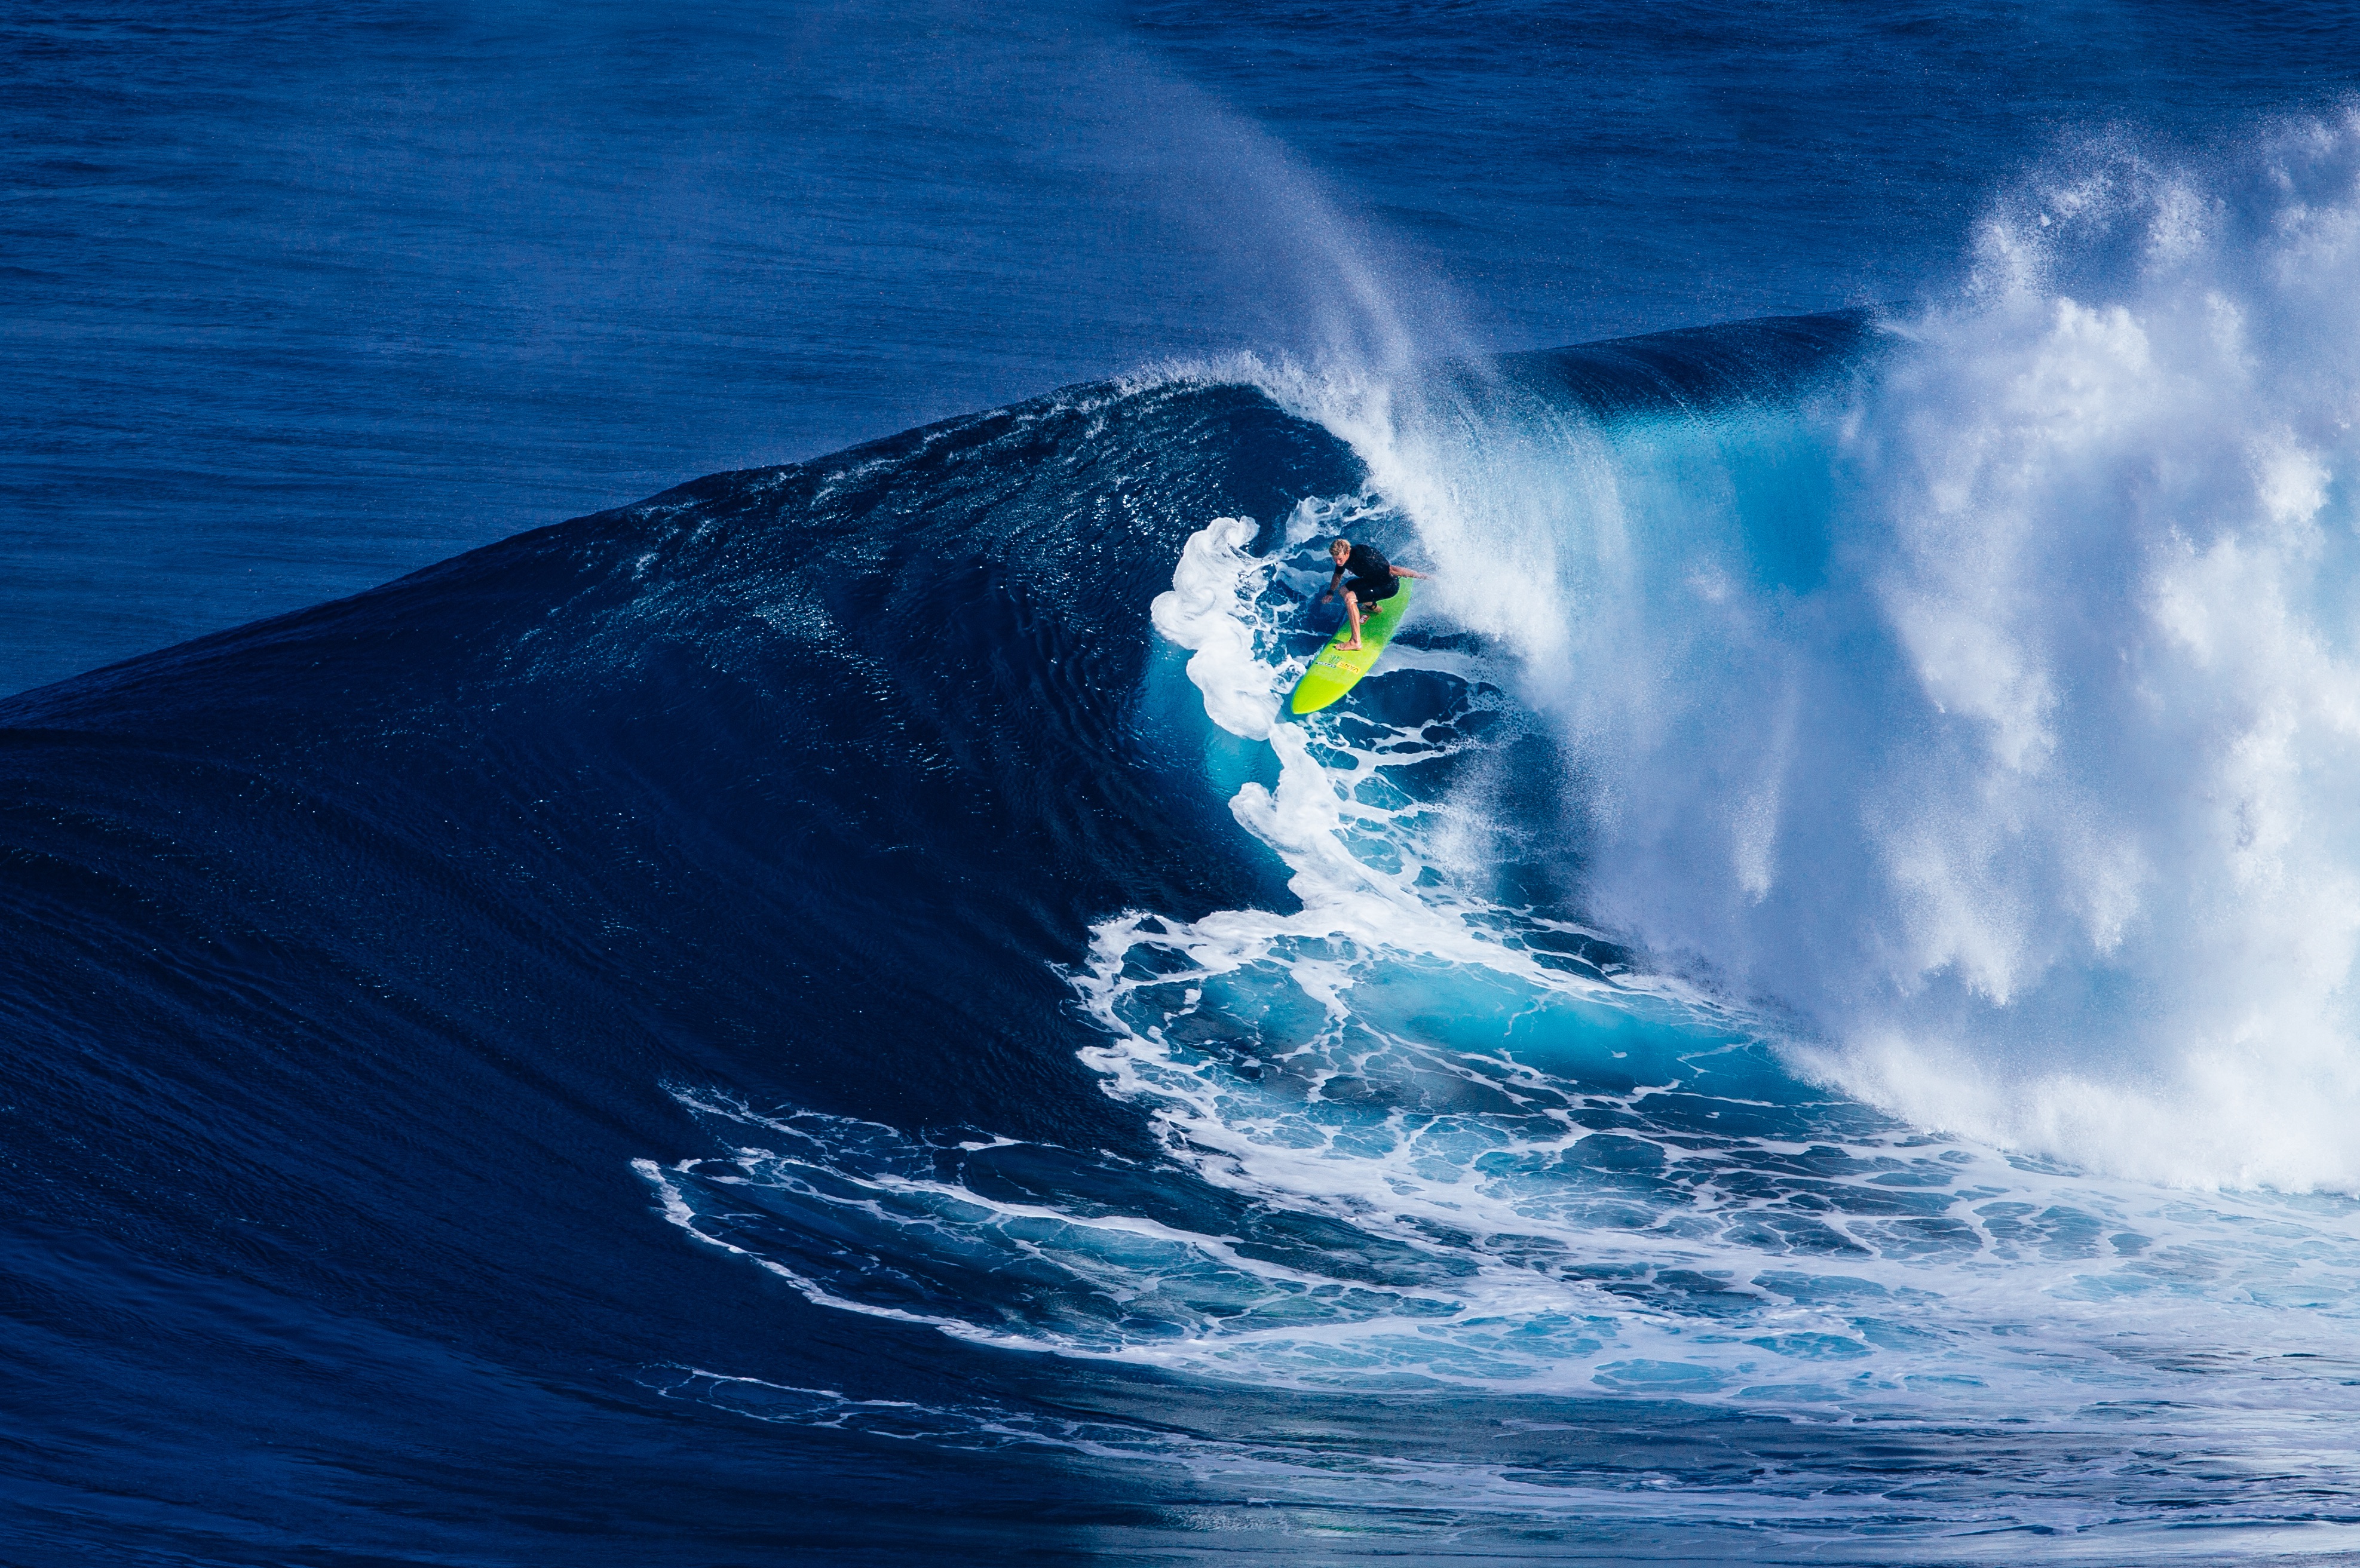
x=1420, y=990
x=1204, y=612
x=2014, y=753
x=1448, y=1144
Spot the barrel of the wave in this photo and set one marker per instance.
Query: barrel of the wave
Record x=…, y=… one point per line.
x=1338, y=668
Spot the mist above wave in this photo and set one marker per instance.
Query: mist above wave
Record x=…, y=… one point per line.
x=1993, y=710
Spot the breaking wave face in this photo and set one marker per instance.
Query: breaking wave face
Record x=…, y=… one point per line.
x=1994, y=715
x=1842, y=910
x=1468, y=1160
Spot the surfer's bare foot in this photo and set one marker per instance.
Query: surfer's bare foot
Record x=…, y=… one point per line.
x=1351, y=648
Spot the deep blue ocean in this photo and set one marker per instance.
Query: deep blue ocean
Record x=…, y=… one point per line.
x=821, y=1011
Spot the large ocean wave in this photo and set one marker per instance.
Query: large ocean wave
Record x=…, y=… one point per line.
x=1836, y=912
x=1834, y=918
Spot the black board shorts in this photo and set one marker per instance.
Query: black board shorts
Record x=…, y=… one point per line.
x=1369, y=590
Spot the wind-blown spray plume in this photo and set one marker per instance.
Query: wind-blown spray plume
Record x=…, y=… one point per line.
x=1993, y=715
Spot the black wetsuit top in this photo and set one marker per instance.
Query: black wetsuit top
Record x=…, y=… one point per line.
x=1373, y=575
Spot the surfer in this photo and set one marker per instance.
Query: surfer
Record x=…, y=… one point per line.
x=1373, y=578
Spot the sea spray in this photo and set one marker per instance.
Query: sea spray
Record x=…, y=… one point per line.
x=1451, y=1155
x=1990, y=711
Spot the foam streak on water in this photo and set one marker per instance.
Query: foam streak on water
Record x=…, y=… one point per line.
x=1780, y=1511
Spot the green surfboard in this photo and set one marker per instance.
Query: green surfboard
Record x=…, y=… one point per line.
x=1337, y=669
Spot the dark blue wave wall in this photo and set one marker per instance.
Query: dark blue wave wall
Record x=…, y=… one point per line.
x=351, y=955
x=350, y=952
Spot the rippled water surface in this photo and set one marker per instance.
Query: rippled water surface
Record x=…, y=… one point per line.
x=830, y=1014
